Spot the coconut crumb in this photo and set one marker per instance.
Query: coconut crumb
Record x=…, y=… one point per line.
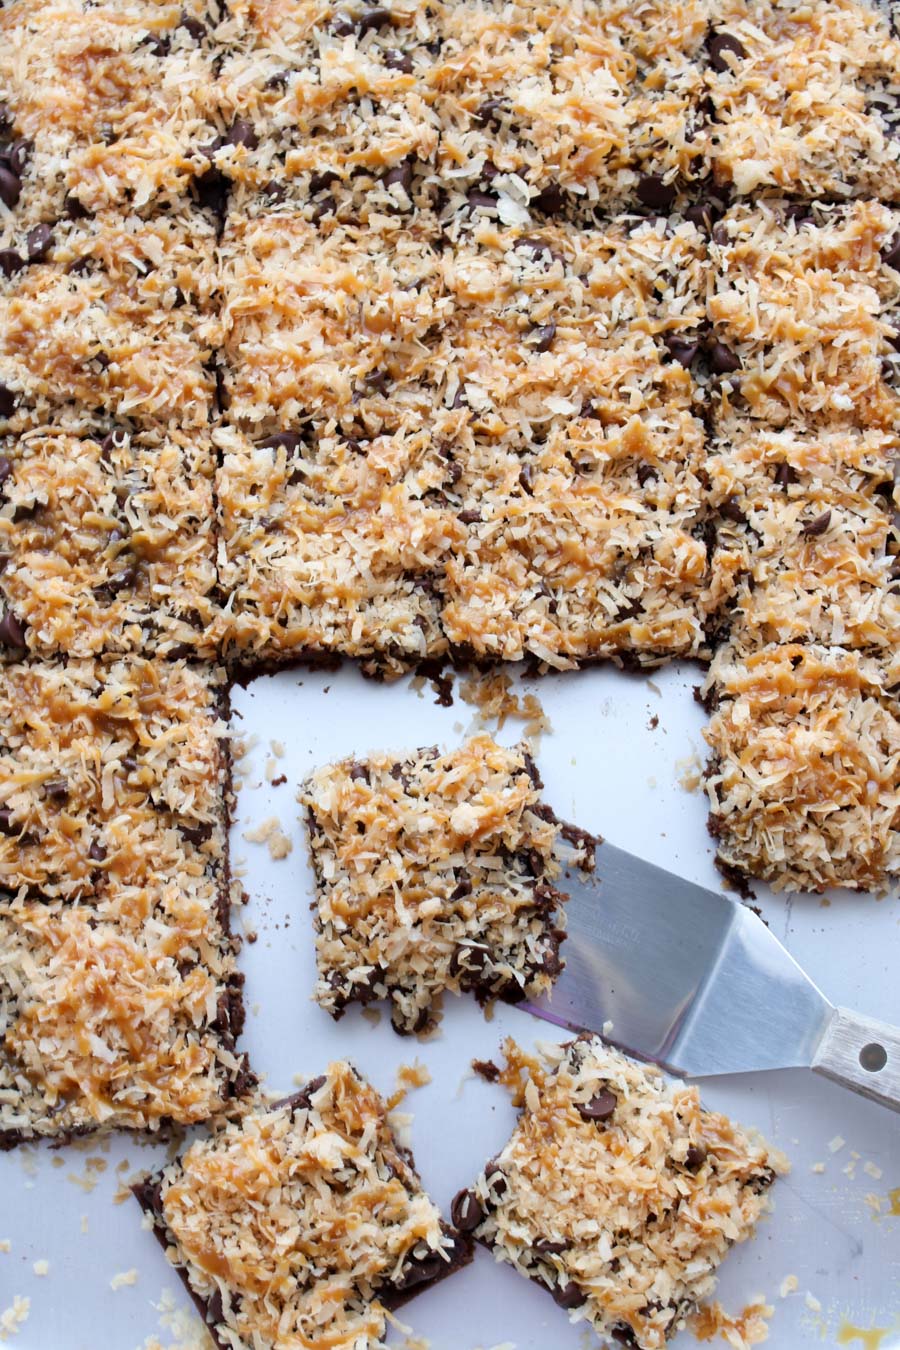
x=812, y=1302
x=277, y=748
x=492, y=694
x=5, y=1245
x=13, y=1317
x=271, y=833
x=84, y=1224
x=125, y=1278
x=836, y=1144
x=749, y=1327
x=690, y=772
x=409, y=1077
x=789, y=1285
x=41, y=1267
x=818, y=1167
x=873, y=1170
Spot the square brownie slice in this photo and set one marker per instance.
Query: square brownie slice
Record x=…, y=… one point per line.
x=617, y=1192
x=332, y=540
x=113, y=774
x=113, y=321
x=804, y=776
x=113, y=106
x=434, y=872
x=327, y=322
x=805, y=99
x=107, y=542
x=303, y=1223
x=803, y=307
x=805, y=533
x=107, y=1023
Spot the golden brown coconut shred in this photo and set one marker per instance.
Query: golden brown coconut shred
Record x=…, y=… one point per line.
x=804, y=780
x=434, y=872
x=299, y=1225
x=617, y=1192
x=107, y=541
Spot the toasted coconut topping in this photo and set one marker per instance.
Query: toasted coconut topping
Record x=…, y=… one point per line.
x=802, y=311
x=618, y=1192
x=803, y=533
x=108, y=541
x=805, y=98
x=116, y=102
x=434, y=872
x=115, y=320
x=301, y=1224
x=804, y=781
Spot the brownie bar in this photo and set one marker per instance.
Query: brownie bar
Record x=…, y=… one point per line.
x=108, y=1024
x=305, y=1220
x=804, y=536
x=331, y=543
x=617, y=1192
x=803, y=310
x=804, y=99
x=107, y=542
x=114, y=104
x=327, y=323
x=804, y=778
x=434, y=872
x=114, y=319
x=112, y=774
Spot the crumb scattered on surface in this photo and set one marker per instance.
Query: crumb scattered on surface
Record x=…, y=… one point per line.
x=817, y=1167
x=492, y=695
x=12, y=1318
x=873, y=1170
x=836, y=1144
x=271, y=833
x=690, y=772
x=789, y=1285
x=41, y=1267
x=123, y=1279
x=749, y=1327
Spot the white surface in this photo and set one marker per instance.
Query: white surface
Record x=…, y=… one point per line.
x=606, y=769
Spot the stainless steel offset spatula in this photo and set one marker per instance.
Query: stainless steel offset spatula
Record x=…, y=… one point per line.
x=696, y=982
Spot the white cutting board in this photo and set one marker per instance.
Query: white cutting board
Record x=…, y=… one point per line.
x=606, y=768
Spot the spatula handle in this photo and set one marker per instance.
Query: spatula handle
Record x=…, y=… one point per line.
x=863, y=1055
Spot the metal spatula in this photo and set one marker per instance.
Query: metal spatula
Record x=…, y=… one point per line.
x=696, y=982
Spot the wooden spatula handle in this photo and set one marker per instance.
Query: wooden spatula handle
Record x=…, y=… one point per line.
x=863, y=1055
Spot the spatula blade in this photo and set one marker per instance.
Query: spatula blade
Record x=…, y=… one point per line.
x=687, y=977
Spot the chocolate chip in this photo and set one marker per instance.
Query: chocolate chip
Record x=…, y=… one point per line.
x=526, y=479
x=718, y=45
x=278, y=80
x=654, y=192
x=12, y=631
x=301, y=1100
x=10, y=262
x=549, y=201
x=159, y=46
x=890, y=254
x=289, y=440
x=702, y=214
x=568, y=1295
x=241, y=132
x=401, y=174
x=342, y=25
x=600, y=1107
x=193, y=27
x=195, y=834
x=817, y=526
x=546, y=1247
x=730, y=510
x=373, y=19
x=7, y=401
x=420, y=1270
x=397, y=60
x=466, y=1212
x=57, y=789
x=722, y=359
x=496, y=1181
x=358, y=773
x=481, y=200
x=681, y=349
x=490, y=111
x=462, y=889
x=695, y=1157
x=122, y=581
x=6, y=822
x=646, y=474
x=5, y=469
x=97, y=853
x=129, y=763
x=542, y=336
x=10, y=187
x=17, y=156
x=469, y=517
x=785, y=475
x=38, y=243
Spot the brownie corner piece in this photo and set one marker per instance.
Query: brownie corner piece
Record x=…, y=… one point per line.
x=617, y=1192
x=435, y=872
x=249, y=1216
